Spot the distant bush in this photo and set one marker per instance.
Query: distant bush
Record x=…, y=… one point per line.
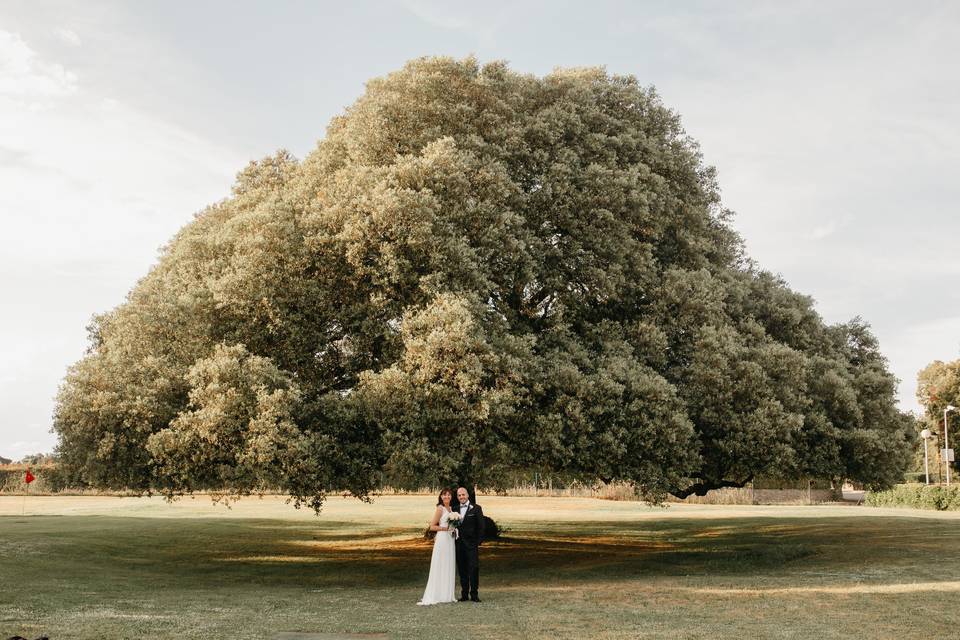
x=917, y=497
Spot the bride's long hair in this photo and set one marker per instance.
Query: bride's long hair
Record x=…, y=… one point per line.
x=440, y=497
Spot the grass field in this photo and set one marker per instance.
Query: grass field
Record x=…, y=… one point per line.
x=103, y=567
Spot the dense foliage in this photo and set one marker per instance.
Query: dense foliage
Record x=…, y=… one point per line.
x=476, y=271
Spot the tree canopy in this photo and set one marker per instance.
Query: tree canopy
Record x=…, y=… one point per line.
x=938, y=387
x=475, y=271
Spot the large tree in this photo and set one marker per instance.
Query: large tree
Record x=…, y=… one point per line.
x=475, y=271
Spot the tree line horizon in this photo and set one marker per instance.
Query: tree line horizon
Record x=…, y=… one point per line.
x=475, y=272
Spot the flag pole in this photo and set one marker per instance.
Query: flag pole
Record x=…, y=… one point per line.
x=27, y=479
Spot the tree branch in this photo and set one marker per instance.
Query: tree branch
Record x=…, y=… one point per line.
x=701, y=488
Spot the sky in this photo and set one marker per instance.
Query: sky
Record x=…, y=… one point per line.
x=833, y=127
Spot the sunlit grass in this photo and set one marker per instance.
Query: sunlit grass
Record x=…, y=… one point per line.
x=89, y=567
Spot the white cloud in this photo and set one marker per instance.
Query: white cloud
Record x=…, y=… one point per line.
x=68, y=36
x=822, y=231
x=478, y=20
x=25, y=77
x=437, y=14
x=78, y=169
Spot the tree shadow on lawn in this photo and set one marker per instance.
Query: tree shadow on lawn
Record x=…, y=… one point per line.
x=208, y=553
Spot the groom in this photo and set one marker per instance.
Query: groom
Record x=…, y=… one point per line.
x=470, y=533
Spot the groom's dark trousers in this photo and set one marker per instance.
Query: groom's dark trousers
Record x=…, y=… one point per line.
x=468, y=552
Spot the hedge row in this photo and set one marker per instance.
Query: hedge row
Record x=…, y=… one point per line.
x=47, y=479
x=917, y=497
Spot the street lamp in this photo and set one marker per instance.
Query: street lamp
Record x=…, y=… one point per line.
x=946, y=441
x=925, y=434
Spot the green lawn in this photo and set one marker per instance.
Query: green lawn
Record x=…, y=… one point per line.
x=86, y=567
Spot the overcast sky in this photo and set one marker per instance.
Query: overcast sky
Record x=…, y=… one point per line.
x=834, y=128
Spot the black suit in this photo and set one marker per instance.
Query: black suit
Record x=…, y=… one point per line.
x=470, y=537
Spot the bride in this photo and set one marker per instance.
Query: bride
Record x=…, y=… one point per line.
x=443, y=562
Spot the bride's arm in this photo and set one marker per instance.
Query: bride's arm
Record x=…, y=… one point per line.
x=435, y=523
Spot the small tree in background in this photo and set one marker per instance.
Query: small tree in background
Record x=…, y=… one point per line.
x=938, y=386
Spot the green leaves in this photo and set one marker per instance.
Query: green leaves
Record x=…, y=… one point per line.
x=237, y=430
x=442, y=404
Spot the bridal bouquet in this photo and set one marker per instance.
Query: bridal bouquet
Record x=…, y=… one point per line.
x=453, y=522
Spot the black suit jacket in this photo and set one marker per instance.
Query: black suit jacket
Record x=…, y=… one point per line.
x=473, y=526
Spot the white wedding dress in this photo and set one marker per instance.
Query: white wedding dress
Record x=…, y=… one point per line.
x=443, y=567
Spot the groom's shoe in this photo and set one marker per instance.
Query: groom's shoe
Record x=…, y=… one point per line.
x=463, y=599
x=475, y=598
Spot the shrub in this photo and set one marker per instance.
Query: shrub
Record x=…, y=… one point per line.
x=917, y=497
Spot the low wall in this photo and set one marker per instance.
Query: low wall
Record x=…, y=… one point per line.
x=749, y=495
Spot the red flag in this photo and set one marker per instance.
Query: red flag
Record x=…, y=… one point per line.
x=29, y=478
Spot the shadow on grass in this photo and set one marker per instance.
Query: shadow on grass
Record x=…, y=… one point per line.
x=204, y=553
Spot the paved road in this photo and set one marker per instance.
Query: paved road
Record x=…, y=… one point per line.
x=854, y=496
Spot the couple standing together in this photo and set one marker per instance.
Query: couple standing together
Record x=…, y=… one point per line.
x=455, y=549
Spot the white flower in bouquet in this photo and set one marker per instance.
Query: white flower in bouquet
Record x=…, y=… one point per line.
x=453, y=521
